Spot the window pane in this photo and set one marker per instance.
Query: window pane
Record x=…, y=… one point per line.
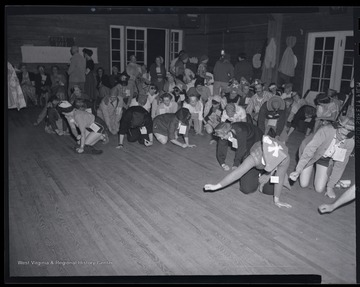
x=115, y=33
x=128, y=54
x=116, y=55
x=140, y=45
x=176, y=37
x=317, y=57
x=115, y=44
x=328, y=56
x=131, y=45
x=346, y=72
x=130, y=34
x=140, y=35
x=326, y=72
x=314, y=85
x=345, y=87
x=349, y=58
x=319, y=43
x=349, y=43
x=116, y=63
x=316, y=71
x=325, y=85
x=140, y=56
x=329, y=43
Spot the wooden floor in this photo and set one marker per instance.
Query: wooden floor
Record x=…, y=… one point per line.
x=142, y=211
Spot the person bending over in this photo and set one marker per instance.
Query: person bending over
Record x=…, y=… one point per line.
x=169, y=126
x=269, y=155
x=329, y=148
x=92, y=129
x=136, y=123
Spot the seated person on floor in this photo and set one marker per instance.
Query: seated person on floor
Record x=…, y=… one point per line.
x=296, y=105
x=42, y=85
x=242, y=137
x=270, y=156
x=272, y=117
x=123, y=89
x=212, y=114
x=137, y=124
x=288, y=91
x=245, y=94
x=178, y=95
x=54, y=123
x=303, y=120
x=110, y=110
x=196, y=108
x=169, y=126
x=203, y=90
x=92, y=128
x=274, y=89
x=257, y=100
x=329, y=148
x=58, y=83
x=166, y=105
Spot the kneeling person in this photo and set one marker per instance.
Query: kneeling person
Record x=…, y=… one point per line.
x=137, y=124
x=92, y=129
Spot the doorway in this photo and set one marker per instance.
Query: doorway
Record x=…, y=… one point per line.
x=155, y=46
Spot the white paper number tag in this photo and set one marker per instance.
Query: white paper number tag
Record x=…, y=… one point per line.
x=127, y=93
x=339, y=154
x=272, y=122
x=234, y=143
x=308, y=120
x=247, y=100
x=143, y=130
x=218, y=113
x=94, y=127
x=182, y=129
x=274, y=179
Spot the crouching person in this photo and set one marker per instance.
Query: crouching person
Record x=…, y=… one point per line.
x=92, y=129
x=137, y=124
x=272, y=157
x=54, y=122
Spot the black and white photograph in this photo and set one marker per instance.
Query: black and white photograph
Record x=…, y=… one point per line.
x=181, y=144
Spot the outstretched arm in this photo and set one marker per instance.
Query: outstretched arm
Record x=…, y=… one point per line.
x=346, y=197
x=236, y=174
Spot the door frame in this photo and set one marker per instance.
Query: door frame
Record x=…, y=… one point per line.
x=338, y=57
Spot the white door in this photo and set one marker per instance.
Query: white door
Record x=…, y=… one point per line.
x=329, y=61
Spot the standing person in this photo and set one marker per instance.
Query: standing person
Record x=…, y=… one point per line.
x=223, y=73
x=58, y=83
x=92, y=129
x=257, y=100
x=243, y=68
x=329, y=148
x=90, y=79
x=134, y=71
x=110, y=110
x=137, y=124
x=114, y=77
x=169, y=126
x=346, y=197
x=174, y=61
x=180, y=67
x=42, y=86
x=27, y=83
x=158, y=74
x=271, y=157
x=15, y=94
x=242, y=137
x=77, y=70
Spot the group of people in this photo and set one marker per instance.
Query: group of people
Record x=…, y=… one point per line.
x=254, y=119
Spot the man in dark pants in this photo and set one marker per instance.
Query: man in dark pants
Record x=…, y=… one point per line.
x=242, y=136
x=137, y=124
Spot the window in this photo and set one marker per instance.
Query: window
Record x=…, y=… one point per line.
x=117, y=47
x=136, y=44
x=175, y=43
